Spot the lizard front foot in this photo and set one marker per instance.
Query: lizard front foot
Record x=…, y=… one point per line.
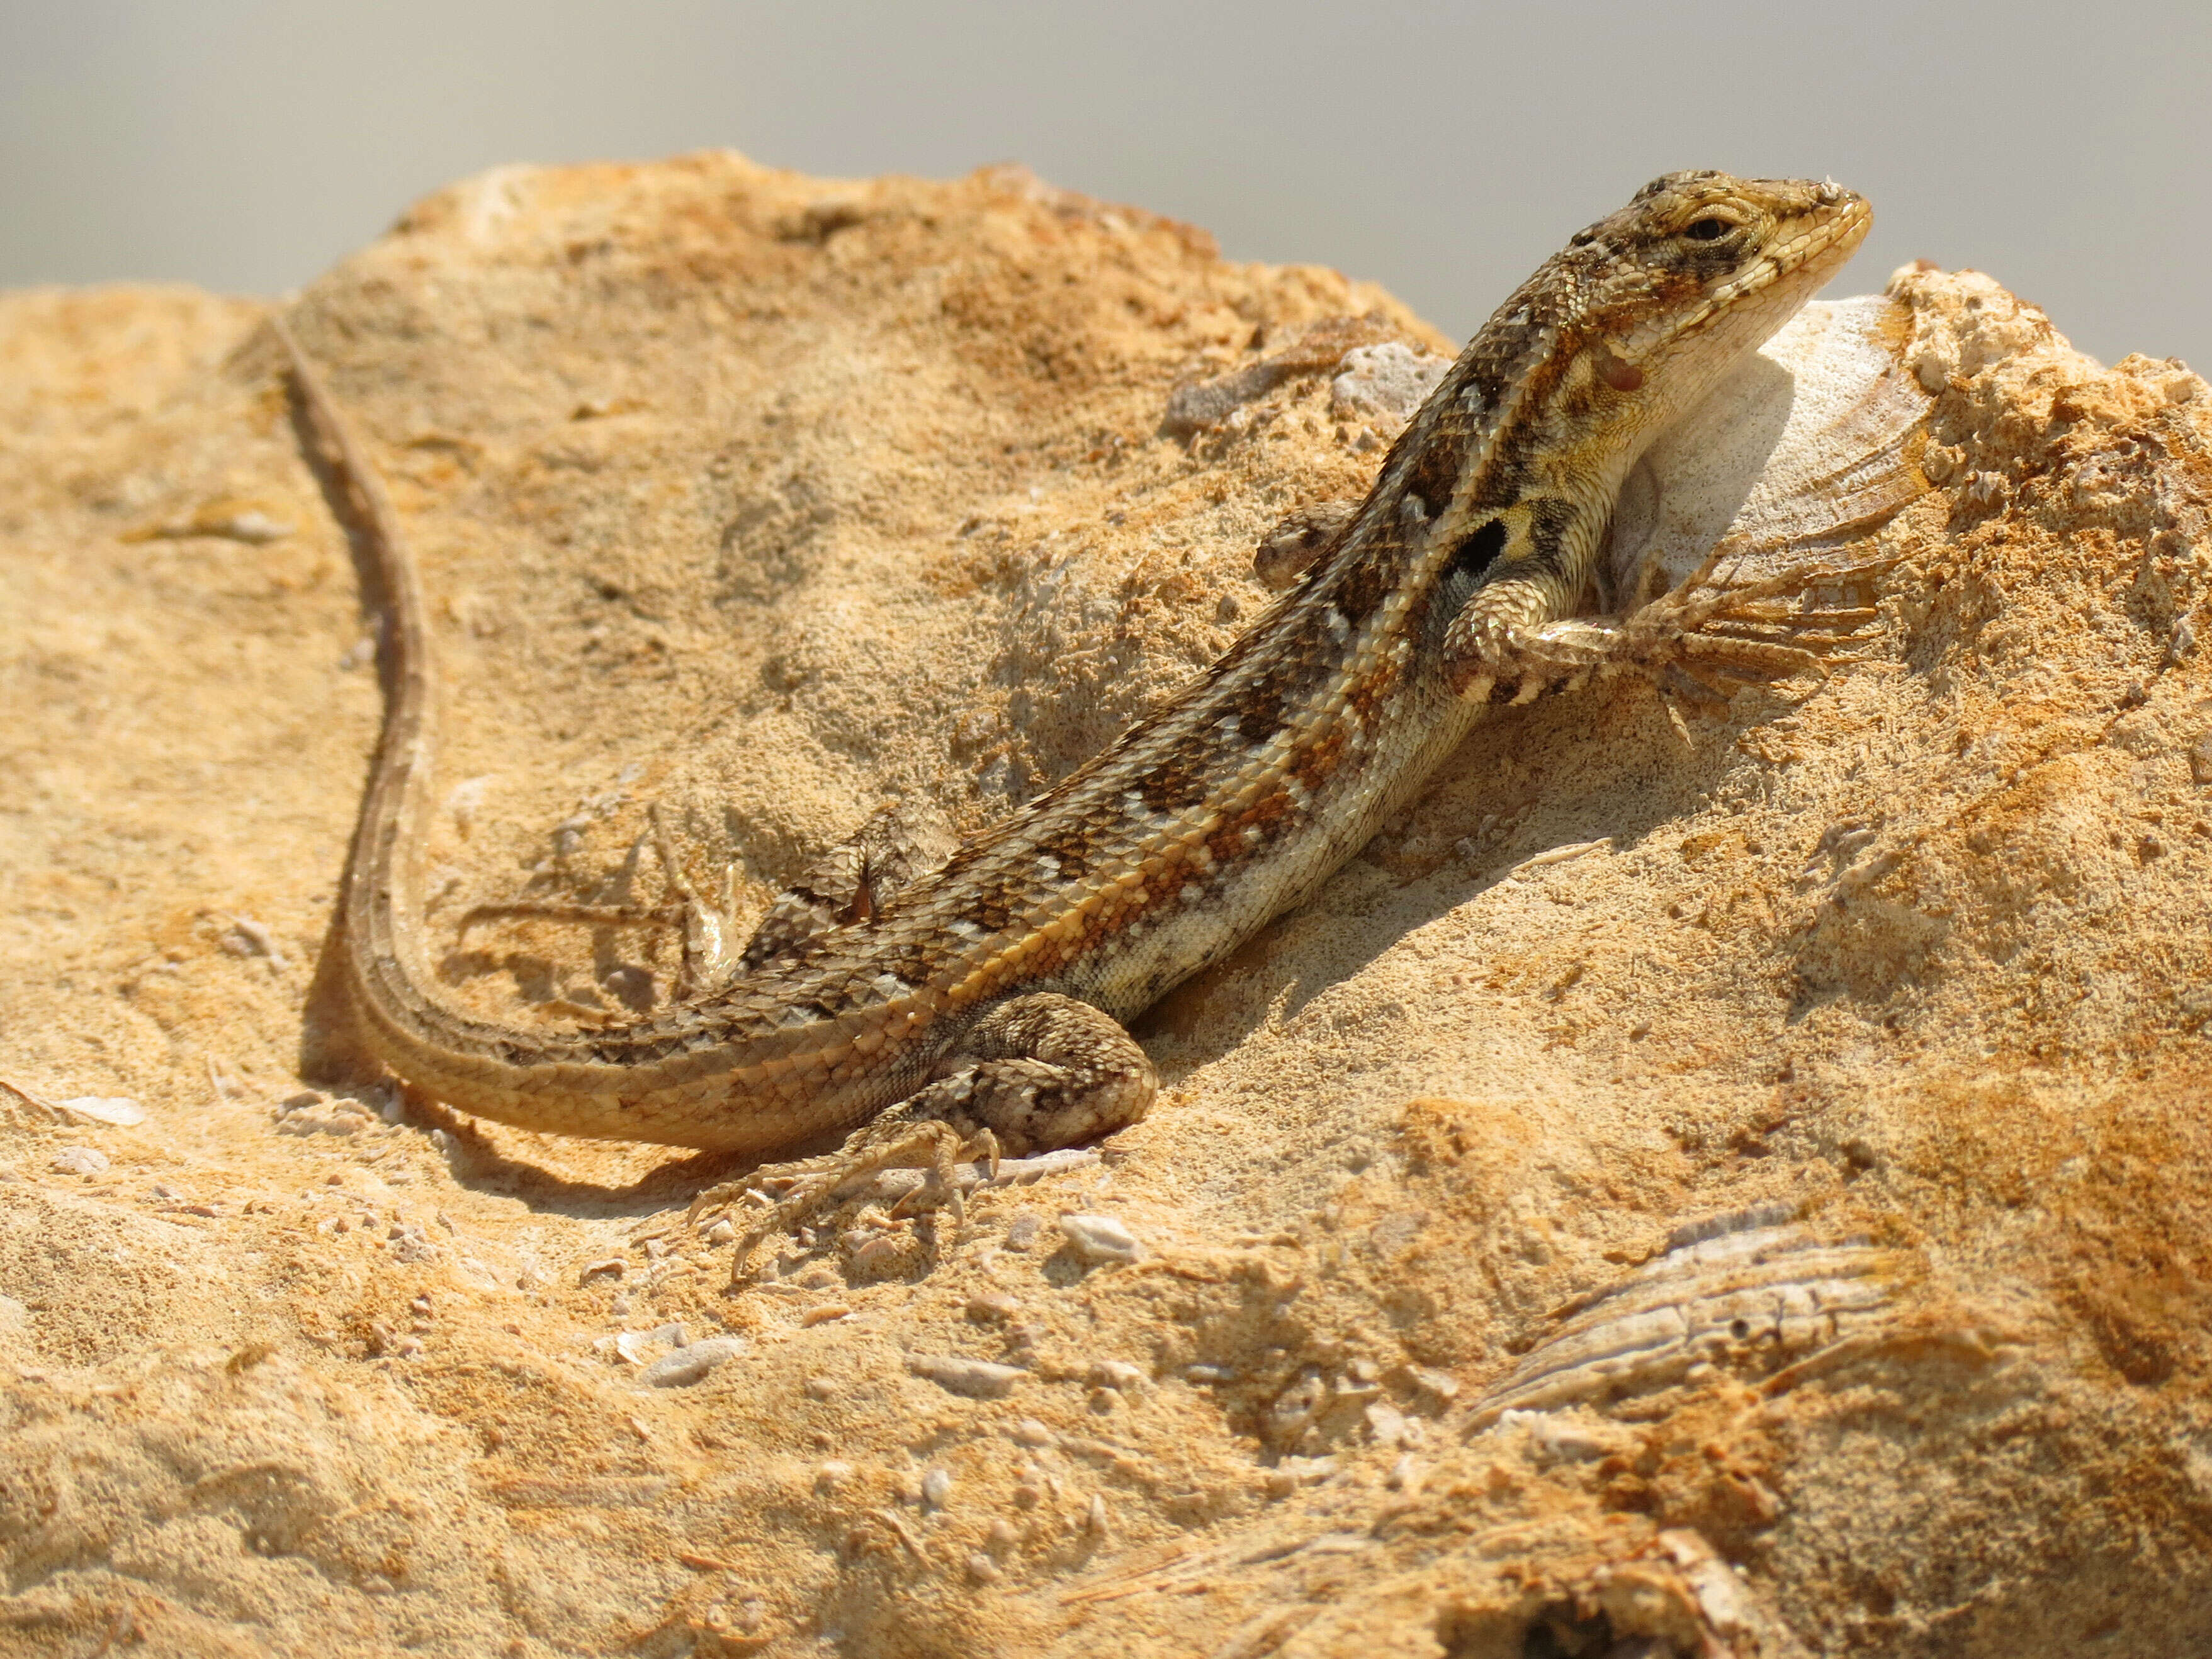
x=1690, y=643
x=1700, y=641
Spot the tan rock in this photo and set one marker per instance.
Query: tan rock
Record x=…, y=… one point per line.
x=762, y=497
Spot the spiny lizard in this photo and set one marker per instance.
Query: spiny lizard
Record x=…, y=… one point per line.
x=984, y=1000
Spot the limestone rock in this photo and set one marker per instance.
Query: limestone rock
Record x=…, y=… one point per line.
x=761, y=498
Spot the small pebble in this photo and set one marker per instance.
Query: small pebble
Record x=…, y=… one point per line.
x=326, y=1119
x=632, y=1344
x=722, y=1233
x=976, y=1379
x=1116, y=1374
x=992, y=1304
x=685, y=1366
x=828, y=1476
x=1443, y=1384
x=822, y=1314
x=1000, y=1536
x=936, y=1488
x=822, y=1387
x=612, y=1266
x=1031, y=1432
x=881, y=1251
x=983, y=1570
x=1022, y=1231
x=1387, y=1424
x=80, y=1161
x=1100, y=1238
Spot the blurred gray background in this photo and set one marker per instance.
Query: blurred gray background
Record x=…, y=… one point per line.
x=1442, y=149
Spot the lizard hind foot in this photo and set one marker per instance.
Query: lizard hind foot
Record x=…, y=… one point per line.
x=1032, y=1073
x=890, y=1142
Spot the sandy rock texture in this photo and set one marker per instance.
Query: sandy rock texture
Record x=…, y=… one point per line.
x=1403, y=1326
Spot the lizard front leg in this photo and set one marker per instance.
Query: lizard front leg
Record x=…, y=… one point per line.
x=1516, y=630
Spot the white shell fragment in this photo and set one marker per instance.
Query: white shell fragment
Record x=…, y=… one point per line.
x=1100, y=1238
x=80, y=1161
x=118, y=1109
x=1748, y=1292
x=975, y=1379
x=685, y=1366
x=1816, y=438
x=635, y=1345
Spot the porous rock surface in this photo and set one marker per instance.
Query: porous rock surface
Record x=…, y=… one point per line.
x=763, y=498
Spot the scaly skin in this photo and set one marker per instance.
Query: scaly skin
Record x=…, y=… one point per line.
x=988, y=994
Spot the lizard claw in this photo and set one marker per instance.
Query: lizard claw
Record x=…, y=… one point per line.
x=1700, y=638
x=886, y=1144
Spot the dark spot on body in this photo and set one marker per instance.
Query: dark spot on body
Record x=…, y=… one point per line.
x=1316, y=762
x=1619, y=373
x=1070, y=847
x=1260, y=709
x=1504, y=477
x=1474, y=554
x=1362, y=589
x=1549, y=521
x=911, y=963
x=991, y=906
x=965, y=856
x=1435, y=474
x=1367, y=697
x=1269, y=815
x=1178, y=781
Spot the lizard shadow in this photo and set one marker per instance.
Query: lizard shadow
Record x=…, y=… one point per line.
x=1527, y=782
x=639, y=1179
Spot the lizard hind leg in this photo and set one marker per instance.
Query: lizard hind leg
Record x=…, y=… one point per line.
x=850, y=883
x=1034, y=1072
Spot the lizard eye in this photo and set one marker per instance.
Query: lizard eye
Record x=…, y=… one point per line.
x=1707, y=230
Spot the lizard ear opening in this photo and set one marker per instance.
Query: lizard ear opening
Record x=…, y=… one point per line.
x=1619, y=373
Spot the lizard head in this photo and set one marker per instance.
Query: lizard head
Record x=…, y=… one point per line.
x=1697, y=270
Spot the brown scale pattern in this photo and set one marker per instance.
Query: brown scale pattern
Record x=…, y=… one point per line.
x=1354, y=662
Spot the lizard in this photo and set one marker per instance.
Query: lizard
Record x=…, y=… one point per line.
x=982, y=1007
